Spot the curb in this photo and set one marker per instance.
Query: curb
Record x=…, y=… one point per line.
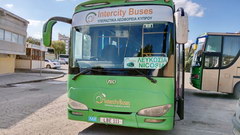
x=38, y=71
x=38, y=80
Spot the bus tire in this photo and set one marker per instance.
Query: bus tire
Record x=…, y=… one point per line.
x=236, y=93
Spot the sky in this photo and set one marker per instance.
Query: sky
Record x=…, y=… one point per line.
x=204, y=15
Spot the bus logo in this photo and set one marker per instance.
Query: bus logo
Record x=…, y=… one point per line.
x=111, y=82
x=100, y=98
x=90, y=17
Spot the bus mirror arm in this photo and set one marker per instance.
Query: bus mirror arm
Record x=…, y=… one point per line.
x=47, y=28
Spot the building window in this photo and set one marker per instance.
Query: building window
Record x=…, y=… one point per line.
x=1, y=34
x=231, y=48
x=8, y=36
x=21, y=40
x=14, y=38
x=25, y=57
x=37, y=54
x=11, y=37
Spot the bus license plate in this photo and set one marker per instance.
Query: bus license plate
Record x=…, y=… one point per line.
x=111, y=121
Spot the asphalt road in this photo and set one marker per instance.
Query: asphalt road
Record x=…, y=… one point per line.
x=40, y=108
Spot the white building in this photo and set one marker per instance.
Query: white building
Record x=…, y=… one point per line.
x=13, y=32
x=65, y=39
x=34, y=58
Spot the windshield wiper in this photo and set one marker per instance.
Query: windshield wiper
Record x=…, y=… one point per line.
x=96, y=69
x=147, y=76
x=141, y=73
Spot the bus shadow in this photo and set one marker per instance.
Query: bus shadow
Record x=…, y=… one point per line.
x=179, y=129
x=100, y=129
x=215, y=95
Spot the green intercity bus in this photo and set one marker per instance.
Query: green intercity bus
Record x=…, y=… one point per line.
x=216, y=63
x=125, y=62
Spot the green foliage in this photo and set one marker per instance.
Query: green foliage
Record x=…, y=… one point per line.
x=59, y=48
x=33, y=41
x=188, y=59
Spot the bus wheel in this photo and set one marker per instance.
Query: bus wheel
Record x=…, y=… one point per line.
x=236, y=93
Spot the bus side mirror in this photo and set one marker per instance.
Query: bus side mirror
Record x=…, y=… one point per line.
x=47, y=32
x=193, y=47
x=182, y=30
x=47, y=28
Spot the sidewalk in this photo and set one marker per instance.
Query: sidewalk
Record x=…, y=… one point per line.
x=16, y=78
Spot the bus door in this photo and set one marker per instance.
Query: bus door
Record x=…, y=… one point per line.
x=211, y=63
x=211, y=71
x=180, y=53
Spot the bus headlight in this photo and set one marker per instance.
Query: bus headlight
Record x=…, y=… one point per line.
x=77, y=105
x=155, y=111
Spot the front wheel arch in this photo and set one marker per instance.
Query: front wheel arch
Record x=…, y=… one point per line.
x=236, y=90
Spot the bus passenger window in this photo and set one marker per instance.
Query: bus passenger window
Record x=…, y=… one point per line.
x=231, y=48
x=87, y=47
x=211, y=61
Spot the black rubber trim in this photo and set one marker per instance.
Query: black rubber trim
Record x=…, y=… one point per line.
x=236, y=77
x=103, y=111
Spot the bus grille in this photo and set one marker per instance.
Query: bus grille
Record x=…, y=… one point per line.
x=103, y=111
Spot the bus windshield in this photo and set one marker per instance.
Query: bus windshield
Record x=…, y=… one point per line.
x=106, y=46
x=197, y=58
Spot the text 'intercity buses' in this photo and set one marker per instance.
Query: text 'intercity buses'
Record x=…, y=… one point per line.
x=123, y=13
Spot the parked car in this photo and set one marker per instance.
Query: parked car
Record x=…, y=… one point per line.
x=52, y=64
x=236, y=120
x=62, y=61
x=63, y=58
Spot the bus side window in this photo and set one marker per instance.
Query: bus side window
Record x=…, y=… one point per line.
x=87, y=46
x=231, y=48
x=211, y=61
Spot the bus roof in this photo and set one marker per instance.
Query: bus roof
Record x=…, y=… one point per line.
x=220, y=34
x=94, y=4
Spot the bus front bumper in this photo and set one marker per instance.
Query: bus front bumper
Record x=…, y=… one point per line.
x=128, y=120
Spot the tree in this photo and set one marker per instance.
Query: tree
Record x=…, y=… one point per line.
x=59, y=48
x=33, y=41
x=188, y=58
